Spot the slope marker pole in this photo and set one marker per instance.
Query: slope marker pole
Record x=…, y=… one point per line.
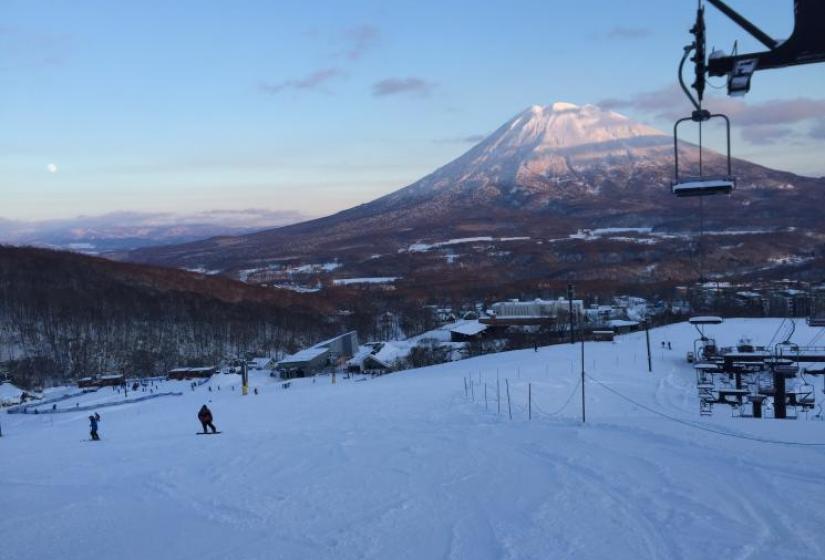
x=529, y=401
x=584, y=413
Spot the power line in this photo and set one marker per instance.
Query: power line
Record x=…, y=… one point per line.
x=776, y=333
x=566, y=402
x=703, y=427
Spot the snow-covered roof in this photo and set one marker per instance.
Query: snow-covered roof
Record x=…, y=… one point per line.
x=392, y=352
x=360, y=356
x=622, y=323
x=304, y=355
x=468, y=328
x=260, y=363
x=182, y=369
x=747, y=294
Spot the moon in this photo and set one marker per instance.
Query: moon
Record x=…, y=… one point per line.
x=52, y=167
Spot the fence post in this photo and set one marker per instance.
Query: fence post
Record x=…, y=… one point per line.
x=529, y=401
x=498, y=396
x=485, y=395
x=509, y=410
x=465, y=387
x=473, y=390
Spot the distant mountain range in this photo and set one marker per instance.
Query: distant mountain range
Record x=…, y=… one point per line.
x=518, y=206
x=121, y=231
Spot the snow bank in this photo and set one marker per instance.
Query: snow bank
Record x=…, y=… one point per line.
x=9, y=393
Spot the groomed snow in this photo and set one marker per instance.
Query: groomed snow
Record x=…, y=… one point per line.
x=368, y=280
x=404, y=466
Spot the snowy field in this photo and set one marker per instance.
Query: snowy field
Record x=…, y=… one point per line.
x=406, y=467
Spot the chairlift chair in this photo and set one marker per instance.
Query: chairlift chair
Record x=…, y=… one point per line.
x=805, y=395
x=816, y=321
x=701, y=185
x=806, y=45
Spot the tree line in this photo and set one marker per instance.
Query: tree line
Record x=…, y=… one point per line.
x=65, y=316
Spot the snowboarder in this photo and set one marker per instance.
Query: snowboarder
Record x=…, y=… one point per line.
x=668, y=345
x=205, y=416
x=663, y=344
x=93, y=428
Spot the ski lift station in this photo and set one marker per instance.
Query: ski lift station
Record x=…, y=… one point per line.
x=753, y=379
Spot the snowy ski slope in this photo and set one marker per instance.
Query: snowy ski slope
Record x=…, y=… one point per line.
x=405, y=467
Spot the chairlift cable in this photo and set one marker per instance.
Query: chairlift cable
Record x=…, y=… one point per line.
x=816, y=337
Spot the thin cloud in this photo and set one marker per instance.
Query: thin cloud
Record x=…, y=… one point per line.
x=818, y=130
x=398, y=86
x=670, y=103
x=313, y=81
x=766, y=134
x=471, y=139
x=628, y=33
x=360, y=40
x=783, y=111
x=25, y=47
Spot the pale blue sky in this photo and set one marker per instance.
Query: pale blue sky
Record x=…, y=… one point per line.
x=317, y=106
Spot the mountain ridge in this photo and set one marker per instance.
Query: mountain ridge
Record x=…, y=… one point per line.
x=545, y=173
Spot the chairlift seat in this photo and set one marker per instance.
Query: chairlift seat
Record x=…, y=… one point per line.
x=702, y=186
x=705, y=320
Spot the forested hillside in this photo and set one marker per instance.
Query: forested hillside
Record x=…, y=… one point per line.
x=64, y=315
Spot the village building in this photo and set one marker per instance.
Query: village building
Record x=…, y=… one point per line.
x=261, y=364
x=320, y=357
x=536, y=312
x=183, y=373
x=102, y=380
x=467, y=331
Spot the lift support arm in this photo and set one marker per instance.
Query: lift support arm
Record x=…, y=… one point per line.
x=806, y=45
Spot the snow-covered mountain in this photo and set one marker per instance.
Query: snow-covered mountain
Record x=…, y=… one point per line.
x=547, y=173
x=547, y=144
x=131, y=230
